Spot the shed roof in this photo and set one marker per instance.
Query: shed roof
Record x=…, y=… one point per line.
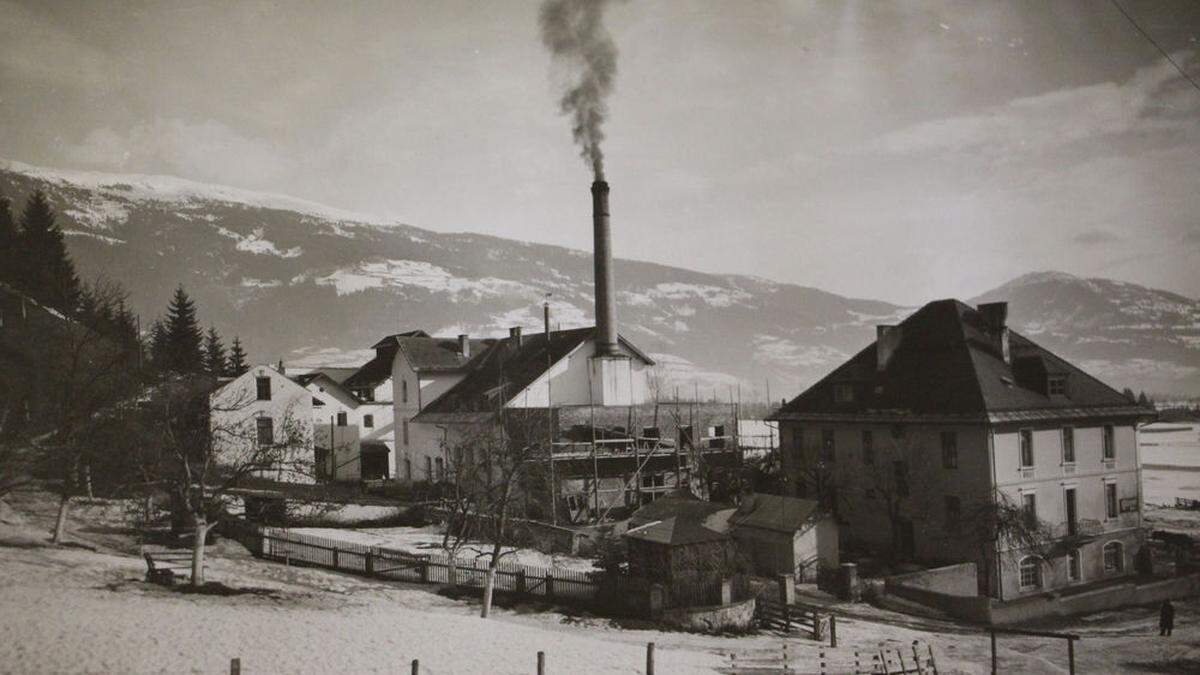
x=774, y=512
x=676, y=521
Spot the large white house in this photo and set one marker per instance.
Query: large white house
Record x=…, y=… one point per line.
x=262, y=408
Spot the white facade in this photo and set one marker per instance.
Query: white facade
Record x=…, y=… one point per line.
x=581, y=379
x=419, y=455
x=263, y=407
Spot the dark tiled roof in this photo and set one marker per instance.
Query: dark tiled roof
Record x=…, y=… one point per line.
x=773, y=512
x=947, y=362
x=676, y=521
x=423, y=352
x=506, y=369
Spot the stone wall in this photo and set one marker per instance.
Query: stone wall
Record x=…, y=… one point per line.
x=712, y=619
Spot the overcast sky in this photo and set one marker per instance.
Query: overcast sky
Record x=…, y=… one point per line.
x=894, y=150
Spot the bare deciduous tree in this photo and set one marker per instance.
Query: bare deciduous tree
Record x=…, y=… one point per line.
x=496, y=467
x=203, y=444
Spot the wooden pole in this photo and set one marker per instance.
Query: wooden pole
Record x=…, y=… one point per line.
x=993, y=634
x=235, y=666
x=541, y=663
x=416, y=667
x=649, y=658
x=832, y=630
x=1071, y=656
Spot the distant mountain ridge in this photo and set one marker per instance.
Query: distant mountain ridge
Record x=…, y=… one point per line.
x=309, y=283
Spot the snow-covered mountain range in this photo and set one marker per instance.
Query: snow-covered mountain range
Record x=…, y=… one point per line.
x=310, y=284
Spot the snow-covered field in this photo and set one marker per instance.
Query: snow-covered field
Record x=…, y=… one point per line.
x=429, y=540
x=1170, y=457
x=68, y=610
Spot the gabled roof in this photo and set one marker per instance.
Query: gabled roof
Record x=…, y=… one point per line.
x=774, y=512
x=948, y=363
x=676, y=521
x=507, y=368
x=423, y=353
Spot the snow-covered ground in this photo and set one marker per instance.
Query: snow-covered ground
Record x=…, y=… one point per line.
x=1170, y=457
x=429, y=540
x=68, y=610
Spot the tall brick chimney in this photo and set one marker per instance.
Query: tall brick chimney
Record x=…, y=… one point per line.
x=606, y=304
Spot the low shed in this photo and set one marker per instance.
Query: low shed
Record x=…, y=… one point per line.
x=785, y=535
x=680, y=539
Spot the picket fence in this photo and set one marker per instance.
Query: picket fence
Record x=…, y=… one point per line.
x=609, y=593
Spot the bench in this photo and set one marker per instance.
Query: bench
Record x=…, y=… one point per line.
x=163, y=565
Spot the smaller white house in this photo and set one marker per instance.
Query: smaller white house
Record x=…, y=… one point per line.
x=336, y=424
x=263, y=408
x=785, y=535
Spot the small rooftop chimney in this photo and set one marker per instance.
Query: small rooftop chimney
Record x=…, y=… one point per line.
x=995, y=320
x=887, y=339
x=515, y=334
x=606, y=305
x=464, y=345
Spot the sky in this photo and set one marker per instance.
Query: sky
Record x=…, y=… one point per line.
x=902, y=151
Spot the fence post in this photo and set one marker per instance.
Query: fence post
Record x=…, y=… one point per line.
x=549, y=585
x=541, y=663
x=832, y=630
x=521, y=584
x=369, y=563
x=993, y=633
x=423, y=569
x=649, y=658
x=1071, y=656
x=416, y=667
x=917, y=658
x=235, y=666
x=335, y=558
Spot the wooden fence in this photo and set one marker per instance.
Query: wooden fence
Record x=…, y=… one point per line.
x=915, y=659
x=433, y=568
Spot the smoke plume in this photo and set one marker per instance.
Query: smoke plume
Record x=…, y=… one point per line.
x=573, y=31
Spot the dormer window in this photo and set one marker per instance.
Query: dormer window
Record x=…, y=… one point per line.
x=843, y=393
x=365, y=394
x=1056, y=385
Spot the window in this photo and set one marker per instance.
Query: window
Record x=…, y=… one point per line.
x=1031, y=573
x=1068, y=443
x=953, y=511
x=369, y=421
x=949, y=450
x=868, y=447
x=654, y=480
x=1029, y=503
x=317, y=403
x=441, y=469
x=1056, y=385
x=1114, y=557
x=717, y=439
x=1110, y=500
x=404, y=391
x=827, y=445
x=843, y=393
x=342, y=420
x=685, y=436
x=1110, y=450
x=650, y=432
x=1072, y=515
x=404, y=431
x=266, y=431
x=1074, y=566
x=1026, y=448
x=262, y=386
x=900, y=472
x=407, y=469
x=428, y=468
x=366, y=394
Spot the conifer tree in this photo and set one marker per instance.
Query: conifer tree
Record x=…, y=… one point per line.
x=237, y=359
x=214, y=353
x=184, y=339
x=46, y=271
x=8, y=243
x=160, y=358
